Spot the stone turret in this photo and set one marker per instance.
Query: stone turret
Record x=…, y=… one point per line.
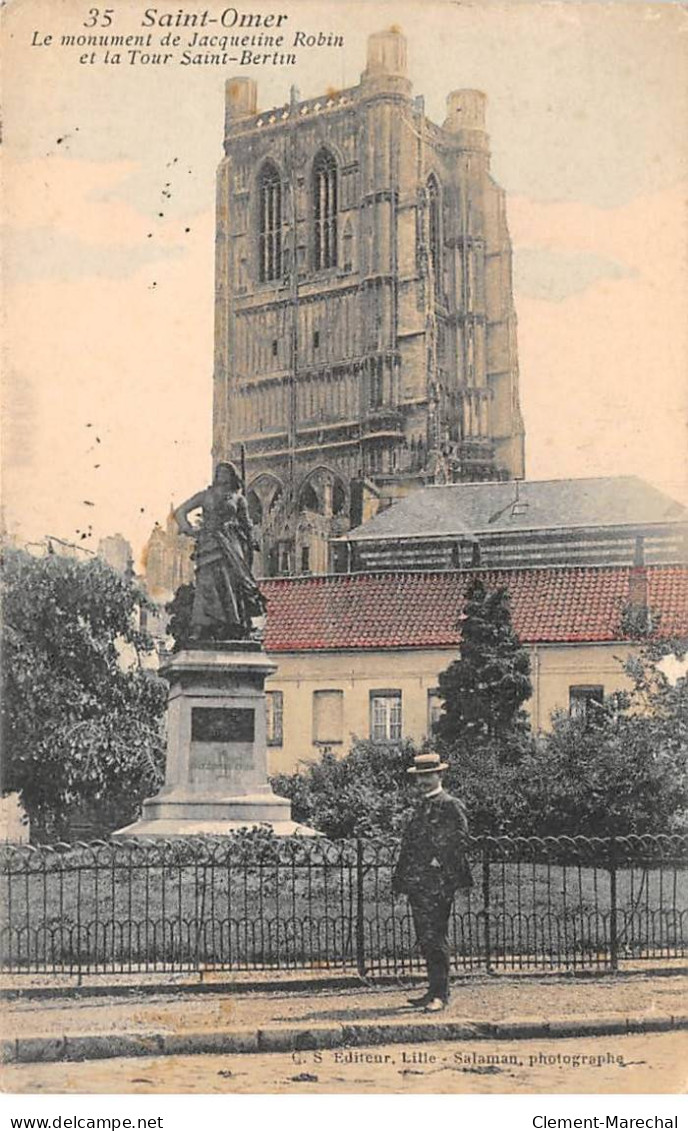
x=241, y=99
x=386, y=63
x=466, y=119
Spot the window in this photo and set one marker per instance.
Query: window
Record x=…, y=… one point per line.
x=584, y=700
x=316, y=339
x=270, y=225
x=376, y=388
x=305, y=559
x=435, y=706
x=385, y=716
x=348, y=242
x=328, y=717
x=274, y=713
x=375, y=461
x=325, y=210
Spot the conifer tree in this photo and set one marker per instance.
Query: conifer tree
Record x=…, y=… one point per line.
x=485, y=689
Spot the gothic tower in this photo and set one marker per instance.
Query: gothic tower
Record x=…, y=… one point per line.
x=365, y=334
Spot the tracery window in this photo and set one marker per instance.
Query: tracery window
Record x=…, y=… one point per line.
x=435, y=235
x=325, y=210
x=269, y=224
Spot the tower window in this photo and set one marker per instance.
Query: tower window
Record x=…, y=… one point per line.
x=270, y=225
x=325, y=210
x=316, y=339
x=376, y=392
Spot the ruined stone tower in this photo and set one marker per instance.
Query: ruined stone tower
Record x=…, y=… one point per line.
x=365, y=339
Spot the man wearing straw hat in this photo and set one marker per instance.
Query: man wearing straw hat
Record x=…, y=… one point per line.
x=432, y=866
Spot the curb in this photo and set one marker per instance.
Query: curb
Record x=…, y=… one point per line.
x=20, y=991
x=293, y=1038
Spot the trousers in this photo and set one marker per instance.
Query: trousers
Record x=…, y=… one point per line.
x=431, y=922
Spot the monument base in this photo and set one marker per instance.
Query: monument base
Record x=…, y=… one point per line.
x=216, y=770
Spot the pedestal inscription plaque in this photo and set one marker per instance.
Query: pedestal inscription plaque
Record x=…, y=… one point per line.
x=223, y=724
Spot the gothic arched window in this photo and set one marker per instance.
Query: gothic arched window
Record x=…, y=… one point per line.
x=325, y=210
x=269, y=224
x=435, y=235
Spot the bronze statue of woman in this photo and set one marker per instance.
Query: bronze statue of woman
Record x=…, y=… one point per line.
x=226, y=596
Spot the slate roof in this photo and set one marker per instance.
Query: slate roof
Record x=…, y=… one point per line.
x=423, y=610
x=487, y=508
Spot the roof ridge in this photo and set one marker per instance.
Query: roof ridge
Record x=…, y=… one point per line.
x=509, y=571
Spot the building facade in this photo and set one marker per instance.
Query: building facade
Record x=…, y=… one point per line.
x=365, y=336
x=359, y=655
x=116, y=551
x=167, y=560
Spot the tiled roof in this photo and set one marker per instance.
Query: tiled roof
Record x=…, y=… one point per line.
x=488, y=508
x=423, y=610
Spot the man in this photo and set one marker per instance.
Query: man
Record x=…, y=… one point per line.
x=432, y=865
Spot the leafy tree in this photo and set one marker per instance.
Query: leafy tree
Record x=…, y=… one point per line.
x=365, y=793
x=485, y=689
x=368, y=793
x=81, y=717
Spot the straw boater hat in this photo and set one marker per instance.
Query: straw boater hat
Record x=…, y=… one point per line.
x=427, y=764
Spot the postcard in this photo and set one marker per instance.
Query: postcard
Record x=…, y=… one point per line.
x=356, y=330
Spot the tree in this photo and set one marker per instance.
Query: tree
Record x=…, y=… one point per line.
x=81, y=717
x=368, y=792
x=623, y=770
x=484, y=690
x=365, y=793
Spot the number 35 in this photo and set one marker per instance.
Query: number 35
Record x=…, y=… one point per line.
x=96, y=18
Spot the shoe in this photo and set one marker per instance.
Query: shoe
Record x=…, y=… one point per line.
x=436, y=1005
x=425, y=999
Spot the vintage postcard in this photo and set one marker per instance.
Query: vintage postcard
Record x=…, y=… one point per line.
x=345, y=525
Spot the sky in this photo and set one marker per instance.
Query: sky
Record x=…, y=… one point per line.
x=108, y=202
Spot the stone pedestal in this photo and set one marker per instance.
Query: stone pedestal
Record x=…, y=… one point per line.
x=216, y=770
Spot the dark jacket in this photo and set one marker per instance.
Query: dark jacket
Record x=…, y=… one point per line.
x=432, y=860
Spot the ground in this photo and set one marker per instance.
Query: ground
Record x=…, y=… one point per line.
x=650, y=1063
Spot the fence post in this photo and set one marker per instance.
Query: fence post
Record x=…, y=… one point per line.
x=360, y=923
x=486, y=904
x=613, y=924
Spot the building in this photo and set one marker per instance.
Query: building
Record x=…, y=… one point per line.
x=359, y=655
x=616, y=520
x=167, y=560
x=365, y=338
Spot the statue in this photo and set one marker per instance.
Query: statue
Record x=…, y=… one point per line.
x=226, y=596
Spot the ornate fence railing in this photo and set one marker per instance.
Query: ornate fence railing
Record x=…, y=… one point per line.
x=256, y=902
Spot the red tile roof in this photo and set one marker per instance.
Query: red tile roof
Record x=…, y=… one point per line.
x=422, y=610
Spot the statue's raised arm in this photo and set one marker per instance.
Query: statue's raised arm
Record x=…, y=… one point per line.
x=182, y=513
x=226, y=596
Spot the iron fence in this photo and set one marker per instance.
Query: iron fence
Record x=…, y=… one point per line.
x=256, y=902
